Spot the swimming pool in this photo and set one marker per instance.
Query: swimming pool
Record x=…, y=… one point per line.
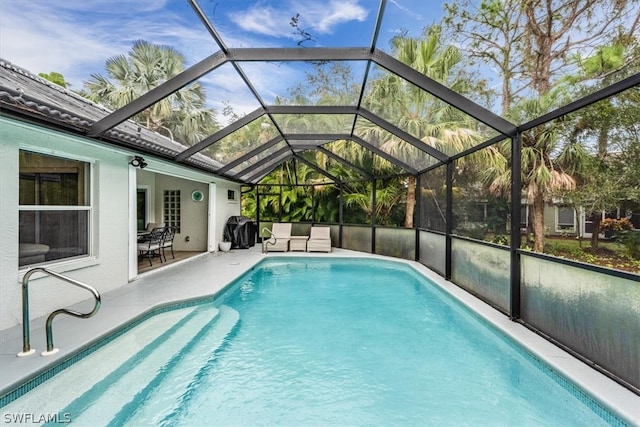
x=317, y=342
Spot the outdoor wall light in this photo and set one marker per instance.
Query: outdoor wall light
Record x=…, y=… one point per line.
x=138, y=162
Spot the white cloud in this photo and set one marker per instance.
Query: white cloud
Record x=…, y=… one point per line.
x=410, y=11
x=45, y=37
x=273, y=79
x=264, y=20
x=328, y=16
x=318, y=16
x=224, y=85
x=44, y=42
x=111, y=6
x=76, y=37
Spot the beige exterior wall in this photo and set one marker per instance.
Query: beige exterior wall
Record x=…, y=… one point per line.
x=108, y=265
x=193, y=215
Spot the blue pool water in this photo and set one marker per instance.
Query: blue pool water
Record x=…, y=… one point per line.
x=311, y=342
x=367, y=343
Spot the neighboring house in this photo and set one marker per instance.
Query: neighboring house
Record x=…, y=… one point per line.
x=559, y=219
x=74, y=205
x=562, y=220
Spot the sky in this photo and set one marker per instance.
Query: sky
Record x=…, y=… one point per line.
x=75, y=37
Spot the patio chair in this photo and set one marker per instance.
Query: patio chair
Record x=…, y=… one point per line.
x=319, y=240
x=152, y=245
x=167, y=241
x=281, y=234
x=152, y=225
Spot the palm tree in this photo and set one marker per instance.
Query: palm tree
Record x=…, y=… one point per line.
x=548, y=162
x=287, y=201
x=412, y=109
x=183, y=115
x=241, y=141
x=388, y=198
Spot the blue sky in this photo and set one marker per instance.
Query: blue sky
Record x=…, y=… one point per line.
x=75, y=37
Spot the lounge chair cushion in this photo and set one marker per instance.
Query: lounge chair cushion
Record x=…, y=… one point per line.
x=281, y=235
x=319, y=240
x=32, y=253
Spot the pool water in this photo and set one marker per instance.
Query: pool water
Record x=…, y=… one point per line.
x=313, y=341
x=367, y=343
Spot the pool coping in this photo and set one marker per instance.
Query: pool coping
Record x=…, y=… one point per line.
x=209, y=274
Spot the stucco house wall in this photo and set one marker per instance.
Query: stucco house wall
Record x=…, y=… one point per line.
x=193, y=217
x=550, y=219
x=107, y=266
x=226, y=207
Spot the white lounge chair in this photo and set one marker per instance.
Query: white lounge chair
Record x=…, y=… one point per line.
x=319, y=240
x=281, y=234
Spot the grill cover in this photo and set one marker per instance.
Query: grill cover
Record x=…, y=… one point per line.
x=241, y=232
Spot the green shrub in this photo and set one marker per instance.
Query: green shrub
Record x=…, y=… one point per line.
x=630, y=239
x=477, y=233
x=500, y=239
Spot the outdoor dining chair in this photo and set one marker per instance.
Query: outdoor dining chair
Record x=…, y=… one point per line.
x=167, y=241
x=151, y=245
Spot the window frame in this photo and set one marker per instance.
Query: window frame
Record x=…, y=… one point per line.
x=172, y=208
x=559, y=227
x=89, y=206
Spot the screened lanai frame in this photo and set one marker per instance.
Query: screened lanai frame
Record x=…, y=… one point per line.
x=251, y=164
x=237, y=56
x=247, y=166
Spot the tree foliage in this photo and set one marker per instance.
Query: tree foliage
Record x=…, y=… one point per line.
x=55, y=77
x=534, y=46
x=182, y=116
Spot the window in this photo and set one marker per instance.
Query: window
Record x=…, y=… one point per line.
x=172, y=208
x=231, y=194
x=54, y=208
x=141, y=209
x=565, y=218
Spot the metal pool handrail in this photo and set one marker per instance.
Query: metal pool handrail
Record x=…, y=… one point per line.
x=26, y=346
x=265, y=249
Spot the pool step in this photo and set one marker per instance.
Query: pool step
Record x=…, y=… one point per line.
x=130, y=383
x=64, y=388
x=159, y=403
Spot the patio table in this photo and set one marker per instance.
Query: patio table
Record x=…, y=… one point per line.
x=298, y=243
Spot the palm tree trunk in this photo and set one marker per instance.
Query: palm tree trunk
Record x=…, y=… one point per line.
x=411, y=202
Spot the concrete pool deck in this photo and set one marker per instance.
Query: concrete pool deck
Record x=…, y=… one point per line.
x=207, y=274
